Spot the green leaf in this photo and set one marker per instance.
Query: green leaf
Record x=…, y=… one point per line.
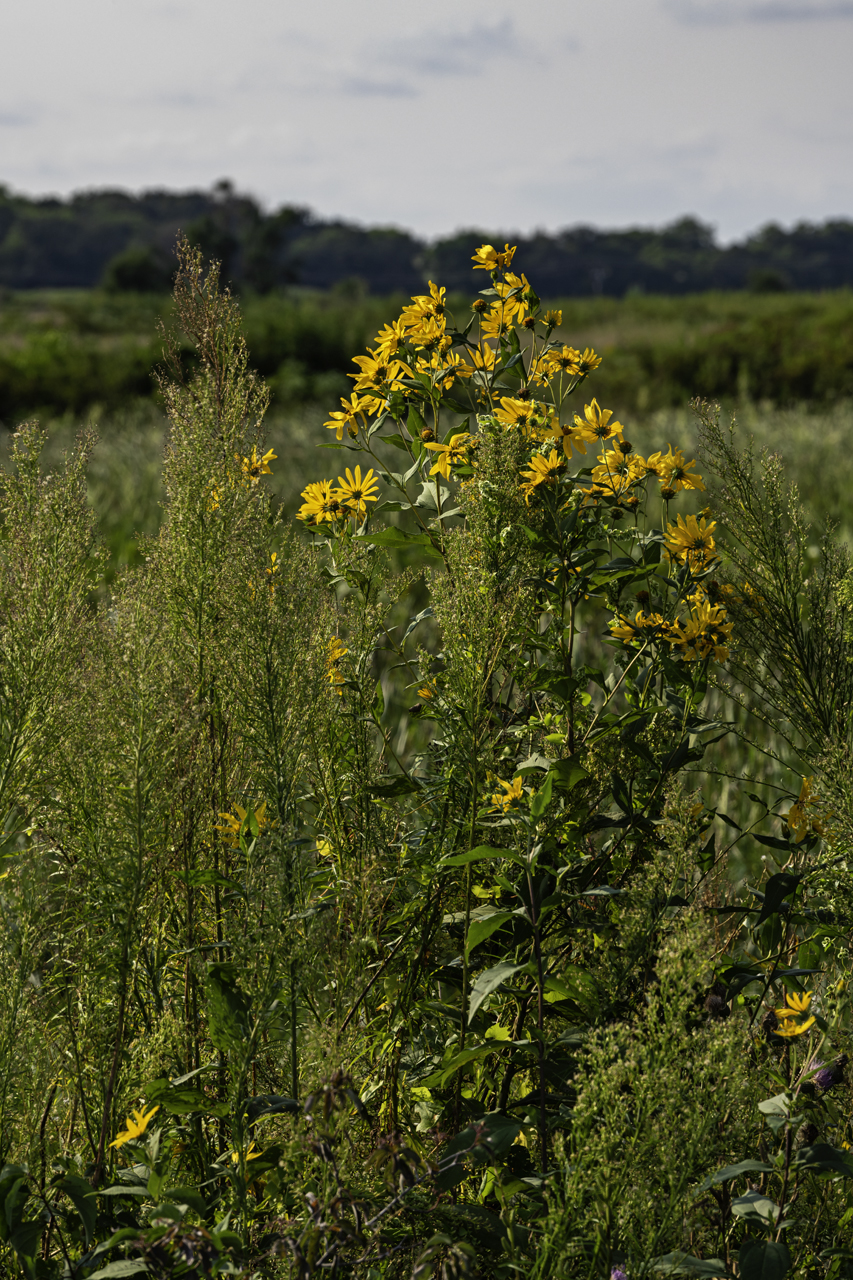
x=483, y=853
x=81, y=1194
x=763, y=1260
x=731, y=1172
x=268, y=1104
x=681, y=1264
x=484, y=927
x=415, y=422
x=227, y=1009
x=754, y=1204
x=188, y=1196
x=568, y=773
x=26, y=1238
x=778, y=888
x=399, y=786
x=183, y=1100
x=394, y=537
x=825, y=1159
x=489, y=981
x=127, y=1267
x=542, y=798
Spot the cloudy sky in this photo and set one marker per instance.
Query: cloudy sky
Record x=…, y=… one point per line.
x=442, y=115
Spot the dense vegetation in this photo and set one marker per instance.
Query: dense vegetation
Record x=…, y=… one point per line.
x=125, y=241
x=457, y=886
x=67, y=351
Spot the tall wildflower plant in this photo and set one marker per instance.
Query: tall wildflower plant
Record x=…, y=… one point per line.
x=365, y=904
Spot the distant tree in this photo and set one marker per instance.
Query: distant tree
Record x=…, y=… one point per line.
x=139, y=269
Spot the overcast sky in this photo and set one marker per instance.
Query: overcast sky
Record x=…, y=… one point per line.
x=455, y=113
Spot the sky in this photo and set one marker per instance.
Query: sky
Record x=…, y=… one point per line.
x=439, y=116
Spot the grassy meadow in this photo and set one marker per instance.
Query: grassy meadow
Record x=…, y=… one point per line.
x=427, y=843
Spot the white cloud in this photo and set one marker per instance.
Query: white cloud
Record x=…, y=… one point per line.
x=457, y=53
x=365, y=87
x=728, y=12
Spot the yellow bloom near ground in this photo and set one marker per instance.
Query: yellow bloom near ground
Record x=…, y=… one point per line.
x=136, y=1124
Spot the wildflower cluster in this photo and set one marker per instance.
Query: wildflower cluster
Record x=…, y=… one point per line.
x=437, y=387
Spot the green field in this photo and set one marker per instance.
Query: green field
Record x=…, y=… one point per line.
x=782, y=362
x=454, y=882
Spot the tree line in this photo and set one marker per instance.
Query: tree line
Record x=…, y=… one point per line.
x=125, y=242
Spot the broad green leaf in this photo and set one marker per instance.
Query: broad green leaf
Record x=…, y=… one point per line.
x=755, y=1204
x=731, y=1172
x=542, y=798
x=489, y=981
x=824, y=1158
x=484, y=927
x=189, y=1197
x=227, y=1009
x=778, y=888
x=127, y=1267
x=81, y=1194
x=681, y=1264
x=183, y=1100
x=763, y=1260
x=482, y=853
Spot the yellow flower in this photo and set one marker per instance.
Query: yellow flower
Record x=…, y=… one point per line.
x=321, y=503
x=254, y=467
x=512, y=793
x=426, y=692
x=673, y=472
x=352, y=415
x=377, y=371
x=252, y=1154
x=450, y=455
x=706, y=633
x=796, y=1006
x=483, y=360
x=564, y=361
x=496, y=324
x=513, y=307
x=691, y=541
x=449, y=365
x=596, y=425
x=272, y=569
x=553, y=319
x=588, y=361
x=622, y=628
x=233, y=822
x=425, y=305
x=524, y=414
x=488, y=259
x=389, y=338
x=355, y=492
x=136, y=1123
x=568, y=437
x=797, y=819
x=336, y=650
x=542, y=471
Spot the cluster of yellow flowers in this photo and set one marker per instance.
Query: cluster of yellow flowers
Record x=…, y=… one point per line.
x=706, y=631
x=704, y=634
x=508, y=371
x=336, y=650
x=326, y=503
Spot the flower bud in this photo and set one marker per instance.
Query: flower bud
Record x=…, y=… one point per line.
x=427, y=434
x=479, y=305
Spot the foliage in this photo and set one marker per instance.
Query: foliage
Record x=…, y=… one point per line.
x=69, y=351
x=79, y=242
x=368, y=907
